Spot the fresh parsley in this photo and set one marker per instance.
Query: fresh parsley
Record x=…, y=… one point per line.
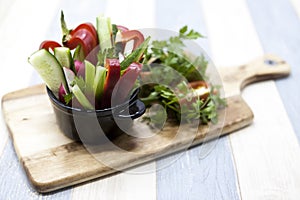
x=171, y=53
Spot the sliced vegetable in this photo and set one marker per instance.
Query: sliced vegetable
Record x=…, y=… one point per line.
x=61, y=94
x=113, y=76
x=127, y=81
x=77, y=65
x=122, y=28
x=49, y=69
x=49, y=44
x=80, y=68
x=64, y=57
x=104, y=30
x=136, y=55
x=82, y=99
x=78, y=54
x=99, y=82
x=136, y=36
x=83, y=35
x=70, y=76
x=89, y=77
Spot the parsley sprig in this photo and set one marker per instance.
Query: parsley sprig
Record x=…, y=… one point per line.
x=171, y=53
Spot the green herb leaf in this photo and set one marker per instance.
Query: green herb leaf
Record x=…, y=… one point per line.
x=65, y=30
x=68, y=98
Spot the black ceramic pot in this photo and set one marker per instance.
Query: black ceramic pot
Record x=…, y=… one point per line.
x=96, y=126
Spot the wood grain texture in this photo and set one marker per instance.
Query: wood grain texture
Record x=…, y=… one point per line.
x=126, y=185
x=198, y=171
x=273, y=36
x=60, y=163
x=15, y=185
x=55, y=167
x=9, y=11
x=198, y=167
x=266, y=154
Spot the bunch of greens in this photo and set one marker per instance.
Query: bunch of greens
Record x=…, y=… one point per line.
x=174, y=93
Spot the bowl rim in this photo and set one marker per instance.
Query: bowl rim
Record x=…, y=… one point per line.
x=133, y=98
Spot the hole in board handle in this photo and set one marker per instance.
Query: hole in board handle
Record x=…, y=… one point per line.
x=270, y=62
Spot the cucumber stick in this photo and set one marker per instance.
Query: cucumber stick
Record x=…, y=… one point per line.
x=99, y=81
x=81, y=98
x=89, y=76
x=64, y=57
x=104, y=30
x=49, y=69
x=70, y=76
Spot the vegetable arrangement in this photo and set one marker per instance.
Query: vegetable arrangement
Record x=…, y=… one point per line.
x=90, y=63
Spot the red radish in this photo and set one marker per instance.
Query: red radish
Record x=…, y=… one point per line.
x=61, y=94
x=80, y=68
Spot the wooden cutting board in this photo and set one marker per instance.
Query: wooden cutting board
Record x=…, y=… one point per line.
x=53, y=161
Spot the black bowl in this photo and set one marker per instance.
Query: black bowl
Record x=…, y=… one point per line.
x=96, y=126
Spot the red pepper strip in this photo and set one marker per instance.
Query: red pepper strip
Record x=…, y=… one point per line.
x=112, y=77
x=127, y=81
x=88, y=26
x=84, y=34
x=49, y=44
x=81, y=37
x=134, y=35
x=122, y=28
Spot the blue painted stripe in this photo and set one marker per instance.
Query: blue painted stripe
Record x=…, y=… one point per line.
x=278, y=27
x=14, y=183
x=191, y=176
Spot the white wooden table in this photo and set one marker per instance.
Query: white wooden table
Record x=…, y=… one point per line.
x=261, y=161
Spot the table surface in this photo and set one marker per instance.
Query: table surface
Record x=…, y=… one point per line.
x=261, y=161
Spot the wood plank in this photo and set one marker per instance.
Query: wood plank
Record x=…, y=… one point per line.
x=135, y=183
x=273, y=38
x=14, y=183
x=267, y=153
x=9, y=50
x=19, y=24
x=198, y=175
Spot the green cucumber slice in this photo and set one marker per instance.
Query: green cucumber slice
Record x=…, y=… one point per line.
x=49, y=69
x=81, y=98
x=99, y=81
x=64, y=57
x=104, y=30
x=89, y=76
x=70, y=76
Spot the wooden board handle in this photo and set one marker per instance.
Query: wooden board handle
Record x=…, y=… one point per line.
x=264, y=68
